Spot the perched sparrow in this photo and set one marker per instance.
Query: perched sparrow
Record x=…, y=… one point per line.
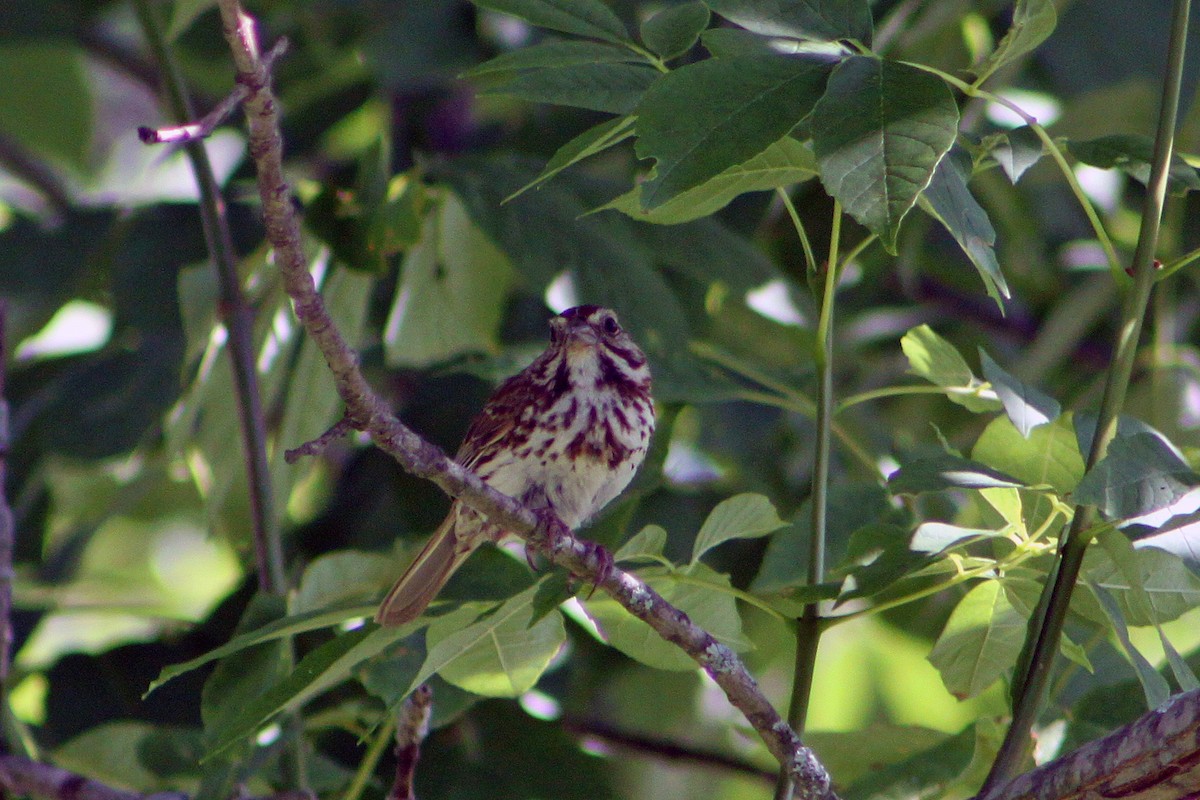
x=567, y=433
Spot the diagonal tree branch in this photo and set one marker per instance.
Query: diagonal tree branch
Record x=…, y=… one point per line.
x=367, y=412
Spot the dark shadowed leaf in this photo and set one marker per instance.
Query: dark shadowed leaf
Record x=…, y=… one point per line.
x=594, y=140
x=879, y=132
x=1017, y=151
x=555, y=53
x=1025, y=406
x=800, y=19
x=1132, y=155
x=672, y=31
x=611, y=88
x=947, y=472
x=1154, y=685
x=581, y=17
x=702, y=119
x=951, y=202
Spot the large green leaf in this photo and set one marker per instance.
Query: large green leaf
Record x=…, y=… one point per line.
x=1133, y=155
x=1139, y=474
x=1154, y=685
x=555, y=53
x=1049, y=455
x=451, y=293
x=611, y=88
x=702, y=119
x=499, y=654
x=580, y=17
x=1150, y=586
x=945, y=471
x=672, y=31
x=782, y=164
x=594, y=140
x=937, y=361
x=45, y=101
x=981, y=639
x=800, y=19
x=744, y=516
x=879, y=133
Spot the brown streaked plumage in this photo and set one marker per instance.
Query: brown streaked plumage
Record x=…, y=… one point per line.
x=566, y=433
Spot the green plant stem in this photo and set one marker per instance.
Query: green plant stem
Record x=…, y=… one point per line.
x=236, y=315
x=1029, y=686
x=810, y=260
x=370, y=760
x=970, y=90
x=808, y=626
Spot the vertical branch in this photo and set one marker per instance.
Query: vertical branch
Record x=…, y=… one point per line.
x=237, y=316
x=808, y=626
x=7, y=535
x=1030, y=684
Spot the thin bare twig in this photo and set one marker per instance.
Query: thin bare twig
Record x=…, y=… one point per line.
x=411, y=728
x=203, y=127
x=546, y=533
x=318, y=446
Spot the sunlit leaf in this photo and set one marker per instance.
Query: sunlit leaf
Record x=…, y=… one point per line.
x=800, y=19
x=1154, y=685
x=744, y=516
x=1139, y=474
x=945, y=471
x=981, y=639
x=1025, y=406
x=648, y=542
x=939, y=362
x=1049, y=455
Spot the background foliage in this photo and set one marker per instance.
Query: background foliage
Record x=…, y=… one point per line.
x=460, y=168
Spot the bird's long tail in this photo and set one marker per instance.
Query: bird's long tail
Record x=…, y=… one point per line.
x=426, y=576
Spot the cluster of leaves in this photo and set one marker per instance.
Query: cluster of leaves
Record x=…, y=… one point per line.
x=674, y=139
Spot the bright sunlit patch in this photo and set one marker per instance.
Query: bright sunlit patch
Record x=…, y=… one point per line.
x=268, y=735
x=561, y=294
x=352, y=624
x=1042, y=107
x=28, y=699
x=196, y=569
x=773, y=302
x=887, y=466
x=540, y=705
x=78, y=327
x=1103, y=186
x=687, y=466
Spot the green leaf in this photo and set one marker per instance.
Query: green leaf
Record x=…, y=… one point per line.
x=981, y=639
x=672, y=31
x=782, y=164
x=646, y=543
x=555, y=53
x=1149, y=585
x=1032, y=22
x=610, y=88
x=1026, y=407
x=340, y=578
x=823, y=20
x=594, y=140
x=1017, y=150
x=325, y=667
x=925, y=773
x=1132, y=155
x=288, y=626
x=937, y=473
x=879, y=132
x=937, y=361
x=701, y=119
x=1154, y=685
x=45, y=100
x=580, y=17
x=950, y=201
x=113, y=753
x=452, y=287
x=499, y=655
x=743, y=516
x=1049, y=455
x=879, y=555
x=938, y=538
x=1138, y=475
x=697, y=590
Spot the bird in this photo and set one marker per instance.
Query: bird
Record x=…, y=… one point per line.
x=566, y=434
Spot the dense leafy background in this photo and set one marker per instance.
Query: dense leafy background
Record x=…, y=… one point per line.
x=455, y=163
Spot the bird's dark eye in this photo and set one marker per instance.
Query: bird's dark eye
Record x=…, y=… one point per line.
x=610, y=326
